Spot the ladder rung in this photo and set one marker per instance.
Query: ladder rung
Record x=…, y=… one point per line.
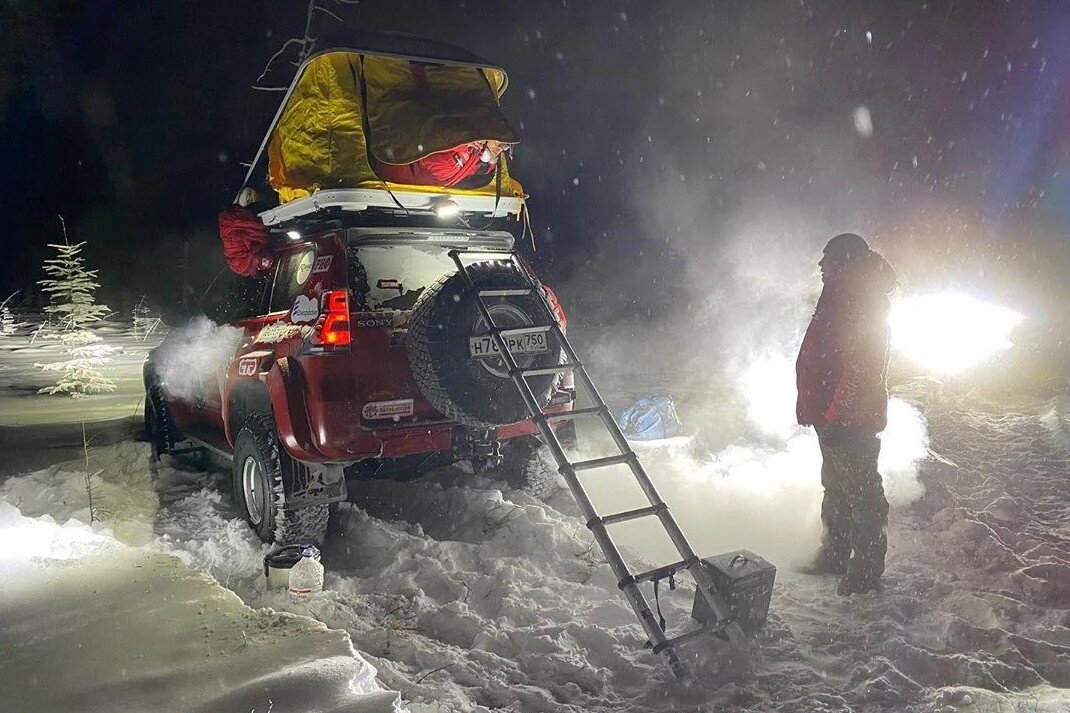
x=574, y=413
x=627, y=515
x=523, y=330
x=602, y=462
x=659, y=573
x=568, y=366
x=691, y=636
x=505, y=293
x=504, y=257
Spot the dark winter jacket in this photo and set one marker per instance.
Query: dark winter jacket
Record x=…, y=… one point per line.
x=842, y=369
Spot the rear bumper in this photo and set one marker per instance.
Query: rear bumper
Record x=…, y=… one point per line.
x=328, y=429
x=408, y=440
x=413, y=440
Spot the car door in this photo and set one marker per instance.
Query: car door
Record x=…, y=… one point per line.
x=230, y=304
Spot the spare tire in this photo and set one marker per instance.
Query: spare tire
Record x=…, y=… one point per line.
x=478, y=391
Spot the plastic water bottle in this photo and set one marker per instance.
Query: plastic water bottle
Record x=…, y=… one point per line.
x=306, y=576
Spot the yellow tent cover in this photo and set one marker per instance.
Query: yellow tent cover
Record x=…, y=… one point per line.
x=345, y=104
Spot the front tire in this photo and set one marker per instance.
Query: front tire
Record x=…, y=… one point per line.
x=259, y=495
x=160, y=426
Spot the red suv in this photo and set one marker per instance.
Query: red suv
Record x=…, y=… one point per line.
x=364, y=354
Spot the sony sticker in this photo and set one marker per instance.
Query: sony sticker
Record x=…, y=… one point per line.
x=305, y=309
x=323, y=264
x=247, y=366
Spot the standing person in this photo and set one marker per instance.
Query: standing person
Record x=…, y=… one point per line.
x=841, y=374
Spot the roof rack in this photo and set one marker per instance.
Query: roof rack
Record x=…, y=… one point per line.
x=360, y=199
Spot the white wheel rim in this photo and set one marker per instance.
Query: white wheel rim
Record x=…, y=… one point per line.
x=253, y=489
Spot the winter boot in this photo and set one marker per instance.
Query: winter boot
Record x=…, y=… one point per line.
x=863, y=575
x=858, y=584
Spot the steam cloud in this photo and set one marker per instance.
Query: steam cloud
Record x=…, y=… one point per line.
x=192, y=359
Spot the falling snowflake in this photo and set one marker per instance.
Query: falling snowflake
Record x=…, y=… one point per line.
x=863, y=122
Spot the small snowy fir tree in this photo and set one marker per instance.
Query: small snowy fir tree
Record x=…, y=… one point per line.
x=9, y=323
x=74, y=307
x=144, y=323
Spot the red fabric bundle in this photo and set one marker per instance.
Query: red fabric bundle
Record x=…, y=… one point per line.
x=442, y=168
x=244, y=239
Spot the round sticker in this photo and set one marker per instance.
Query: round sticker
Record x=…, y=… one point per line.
x=304, y=267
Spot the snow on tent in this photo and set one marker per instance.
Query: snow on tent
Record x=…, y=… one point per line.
x=399, y=122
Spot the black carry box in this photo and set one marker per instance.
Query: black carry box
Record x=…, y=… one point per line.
x=745, y=582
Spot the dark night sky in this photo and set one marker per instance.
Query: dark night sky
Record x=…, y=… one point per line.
x=656, y=135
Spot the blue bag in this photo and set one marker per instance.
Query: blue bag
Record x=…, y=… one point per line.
x=649, y=419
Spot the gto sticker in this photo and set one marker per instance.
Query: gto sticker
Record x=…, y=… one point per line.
x=323, y=264
x=247, y=366
x=305, y=309
x=387, y=409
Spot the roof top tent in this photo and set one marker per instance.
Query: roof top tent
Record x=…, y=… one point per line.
x=364, y=105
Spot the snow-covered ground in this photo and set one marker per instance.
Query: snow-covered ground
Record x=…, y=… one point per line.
x=470, y=594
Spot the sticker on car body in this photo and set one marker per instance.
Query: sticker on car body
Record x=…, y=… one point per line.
x=304, y=267
x=248, y=366
x=378, y=320
x=398, y=408
x=323, y=264
x=305, y=309
x=281, y=331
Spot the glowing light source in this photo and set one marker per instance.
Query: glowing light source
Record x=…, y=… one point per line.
x=950, y=332
x=446, y=208
x=293, y=234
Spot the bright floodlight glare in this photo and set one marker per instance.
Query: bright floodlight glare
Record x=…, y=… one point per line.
x=950, y=332
x=293, y=234
x=446, y=208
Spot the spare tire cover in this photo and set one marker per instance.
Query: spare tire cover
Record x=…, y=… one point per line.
x=447, y=327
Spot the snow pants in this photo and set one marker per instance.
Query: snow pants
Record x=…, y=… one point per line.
x=854, y=510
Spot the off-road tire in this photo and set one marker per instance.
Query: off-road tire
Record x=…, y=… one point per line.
x=459, y=387
x=527, y=465
x=258, y=438
x=160, y=429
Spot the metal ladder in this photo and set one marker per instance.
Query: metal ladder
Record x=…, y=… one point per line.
x=597, y=524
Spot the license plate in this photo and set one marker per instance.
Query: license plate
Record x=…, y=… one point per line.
x=533, y=342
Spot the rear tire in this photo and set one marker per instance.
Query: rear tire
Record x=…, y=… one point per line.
x=259, y=495
x=528, y=466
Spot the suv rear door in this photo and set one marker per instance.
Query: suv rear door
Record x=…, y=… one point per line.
x=387, y=272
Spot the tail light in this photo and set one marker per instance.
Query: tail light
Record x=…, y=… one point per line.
x=555, y=306
x=333, y=328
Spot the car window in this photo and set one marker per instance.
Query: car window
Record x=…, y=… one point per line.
x=232, y=297
x=292, y=273
x=394, y=276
